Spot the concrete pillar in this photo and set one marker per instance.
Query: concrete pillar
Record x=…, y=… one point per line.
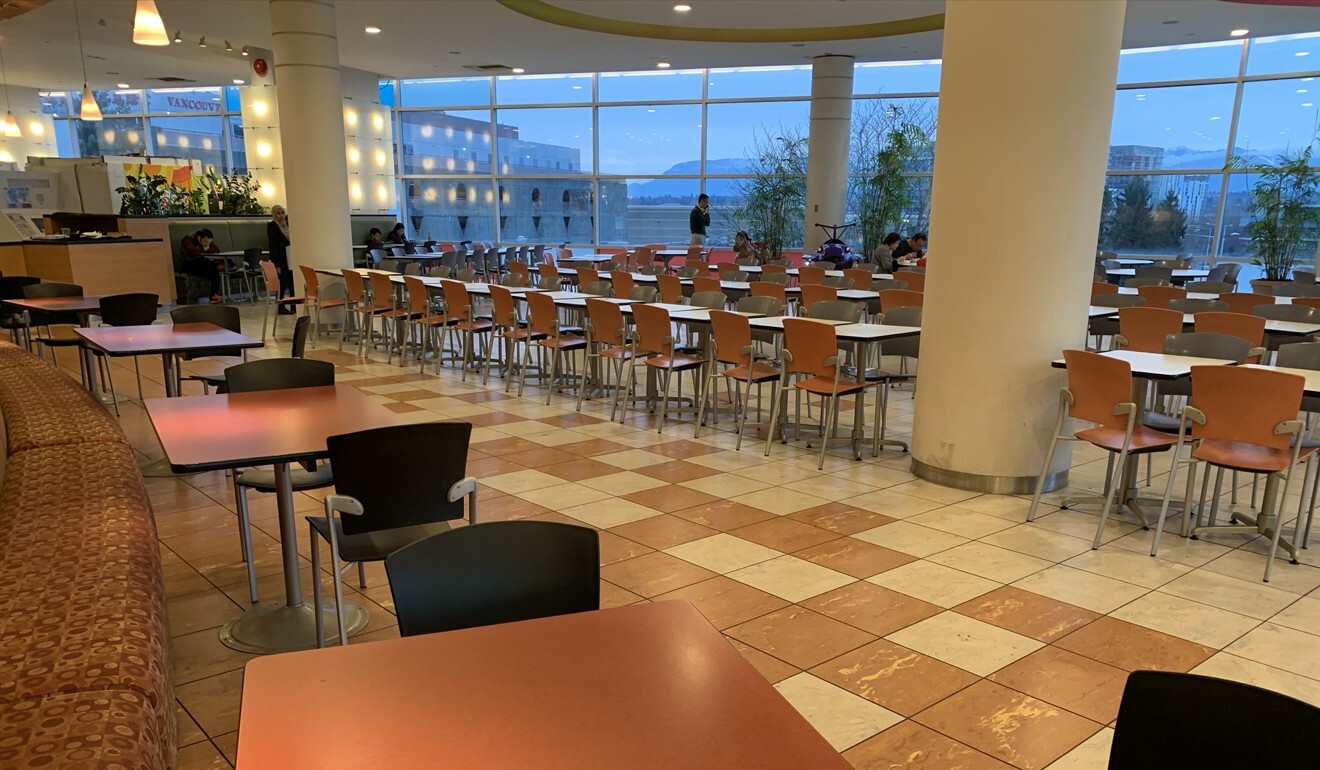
x=308, y=86
x=827, y=146
x=1019, y=174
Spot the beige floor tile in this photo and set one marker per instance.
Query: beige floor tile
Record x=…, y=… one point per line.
x=1304, y=615
x=521, y=481
x=610, y=512
x=728, y=462
x=1128, y=566
x=1255, y=600
x=780, y=501
x=929, y=491
x=782, y=472
x=1280, y=647
x=723, y=553
x=1083, y=523
x=1295, y=578
x=1228, y=666
x=561, y=496
x=1091, y=754
x=1041, y=543
x=911, y=539
x=842, y=718
x=791, y=578
x=213, y=702
x=895, y=505
x=965, y=642
x=622, y=483
x=934, y=583
x=726, y=485
x=1001, y=506
x=961, y=521
x=988, y=561
x=630, y=459
x=1186, y=619
x=831, y=488
x=1182, y=550
x=1084, y=589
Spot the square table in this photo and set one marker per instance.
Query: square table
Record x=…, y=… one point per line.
x=168, y=340
x=1178, y=275
x=279, y=427
x=643, y=687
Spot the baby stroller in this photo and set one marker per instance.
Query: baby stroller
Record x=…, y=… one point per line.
x=834, y=249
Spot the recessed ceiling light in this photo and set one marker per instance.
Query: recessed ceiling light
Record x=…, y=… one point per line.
x=682, y=8
x=518, y=70
x=178, y=38
x=121, y=85
x=245, y=51
x=1239, y=32
x=238, y=81
x=1302, y=53
x=372, y=30
x=664, y=65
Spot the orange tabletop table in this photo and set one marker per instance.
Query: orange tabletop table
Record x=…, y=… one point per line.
x=638, y=687
x=238, y=430
x=166, y=339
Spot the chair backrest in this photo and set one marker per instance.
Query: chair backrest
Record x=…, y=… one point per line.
x=419, y=297
x=652, y=326
x=12, y=286
x=670, y=287
x=457, y=302
x=711, y=299
x=311, y=283
x=641, y=255
x=224, y=316
x=904, y=316
x=861, y=279
x=705, y=283
x=762, y=305
x=839, y=282
x=733, y=337
x=1218, y=273
x=498, y=572
x=1208, y=287
x=399, y=251
x=438, y=271
x=623, y=283
x=1113, y=300
x=377, y=255
x=837, y=310
x=772, y=268
x=1244, y=302
x=301, y=328
x=389, y=265
x=694, y=252
x=1198, y=305
x=401, y=474
x=514, y=280
x=598, y=289
x=520, y=268
x=687, y=272
x=770, y=289
x=1098, y=384
x=810, y=275
x=783, y=279
x=895, y=298
x=586, y=275
x=1293, y=312
x=355, y=286
x=816, y=292
x=565, y=252
x=1299, y=355
x=735, y=275
x=465, y=275
x=450, y=259
x=915, y=281
x=1154, y=271
x=382, y=291
x=1207, y=345
x=1145, y=328
x=505, y=312
x=270, y=276
x=644, y=294
x=542, y=316
x=1275, y=396
x=1156, y=729
x=412, y=268
x=1249, y=327
x=129, y=309
x=278, y=374
x=1159, y=296
x=1310, y=289
x=746, y=261
x=605, y=322
x=810, y=345
x=652, y=269
x=492, y=262
x=50, y=290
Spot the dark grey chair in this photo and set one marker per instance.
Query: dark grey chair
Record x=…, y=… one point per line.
x=837, y=310
x=715, y=300
x=1208, y=287
x=224, y=316
x=126, y=310
x=1108, y=327
x=1184, y=305
x=1297, y=313
x=43, y=319
x=837, y=281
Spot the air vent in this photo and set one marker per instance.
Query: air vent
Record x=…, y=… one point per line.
x=171, y=79
x=488, y=67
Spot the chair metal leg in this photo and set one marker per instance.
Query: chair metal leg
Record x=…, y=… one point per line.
x=1116, y=485
x=362, y=574
x=1045, y=468
x=245, y=535
x=318, y=604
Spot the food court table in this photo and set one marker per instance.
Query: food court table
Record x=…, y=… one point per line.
x=85, y=307
x=644, y=687
x=169, y=340
x=1178, y=275
x=271, y=427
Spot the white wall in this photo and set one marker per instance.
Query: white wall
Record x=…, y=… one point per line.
x=38, y=139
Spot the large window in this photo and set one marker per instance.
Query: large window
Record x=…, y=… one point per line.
x=650, y=139
x=542, y=141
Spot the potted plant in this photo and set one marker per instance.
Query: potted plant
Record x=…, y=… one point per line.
x=1284, y=206
x=774, y=198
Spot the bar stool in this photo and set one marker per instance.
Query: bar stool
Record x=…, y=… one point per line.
x=732, y=346
x=460, y=317
x=314, y=302
x=607, y=340
x=546, y=331
x=655, y=343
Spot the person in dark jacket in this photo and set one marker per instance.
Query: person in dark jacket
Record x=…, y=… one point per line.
x=398, y=236
x=194, y=261
x=914, y=245
x=277, y=233
x=699, y=220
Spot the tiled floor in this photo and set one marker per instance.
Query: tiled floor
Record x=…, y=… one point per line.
x=913, y=625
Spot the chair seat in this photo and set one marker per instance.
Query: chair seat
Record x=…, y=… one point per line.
x=263, y=479
x=1239, y=456
x=678, y=361
x=329, y=303
x=1144, y=439
x=289, y=300
x=760, y=371
x=563, y=342
x=375, y=546
x=620, y=352
x=825, y=385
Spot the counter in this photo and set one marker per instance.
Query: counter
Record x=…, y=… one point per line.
x=99, y=265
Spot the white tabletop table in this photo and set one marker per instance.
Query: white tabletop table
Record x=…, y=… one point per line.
x=1181, y=274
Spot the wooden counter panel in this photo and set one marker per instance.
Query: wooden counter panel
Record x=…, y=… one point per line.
x=155, y=228
x=105, y=268
x=12, y=261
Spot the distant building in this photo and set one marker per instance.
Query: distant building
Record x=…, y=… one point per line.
x=1135, y=157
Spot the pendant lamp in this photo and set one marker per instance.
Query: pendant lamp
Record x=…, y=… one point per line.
x=90, y=111
x=148, y=29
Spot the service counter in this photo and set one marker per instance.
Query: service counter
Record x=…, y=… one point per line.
x=100, y=265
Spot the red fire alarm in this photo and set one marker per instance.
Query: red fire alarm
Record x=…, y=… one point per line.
x=259, y=66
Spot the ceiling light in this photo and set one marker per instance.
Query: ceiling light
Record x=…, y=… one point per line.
x=1239, y=32
x=9, y=126
x=228, y=47
x=664, y=65
x=372, y=30
x=1302, y=53
x=682, y=8
x=238, y=81
x=90, y=110
x=148, y=29
x=202, y=41
x=178, y=36
x=518, y=70
x=121, y=85
x=245, y=52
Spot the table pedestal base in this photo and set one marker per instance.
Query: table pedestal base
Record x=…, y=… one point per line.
x=275, y=628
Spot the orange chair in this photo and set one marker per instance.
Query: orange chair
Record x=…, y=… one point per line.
x=861, y=279
x=1257, y=433
x=1159, y=296
x=507, y=326
x=813, y=293
x=705, y=283
x=733, y=347
x=671, y=289
x=355, y=306
x=623, y=283
x=768, y=269
x=389, y=310
x=1247, y=327
x=1099, y=288
x=768, y=289
x=586, y=275
x=543, y=320
x=810, y=275
x=915, y=281
x=655, y=343
x=607, y=342
x=1306, y=301
x=460, y=317
x=642, y=255
x=1244, y=302
x=521, y=268
x=811, y=352
x=420, y=316
x=272, y=279
x=893, y=298
x=1100, y=391
x=312, y=293
x=694, y=252
x=565, y=253
x=550, y=280
x=1143, y=329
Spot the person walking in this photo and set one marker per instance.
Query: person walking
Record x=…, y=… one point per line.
x=277, y=234
x=699, y=220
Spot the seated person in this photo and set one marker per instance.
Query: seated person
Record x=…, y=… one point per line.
x=884, y=253
x=914, y=245
x=398, y=235
x=742, y=247
x=375, y=240
x=193, y=261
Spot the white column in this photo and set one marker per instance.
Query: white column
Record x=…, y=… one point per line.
x=827, y=146
x=1019, y=174
x=307, y=82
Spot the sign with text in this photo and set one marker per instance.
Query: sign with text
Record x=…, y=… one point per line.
x=178, y=100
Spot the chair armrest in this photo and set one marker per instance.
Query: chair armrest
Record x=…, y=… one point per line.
x=1289, y=426
x=466, y=486
x=1195, y=415
x=342, y=504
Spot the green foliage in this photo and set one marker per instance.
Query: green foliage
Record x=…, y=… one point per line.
x=1129, y=224
x=232, y=194
x=775, y=197
x=1168, y=224
x=143, y=196
x=887, y=142
x=1284, y=207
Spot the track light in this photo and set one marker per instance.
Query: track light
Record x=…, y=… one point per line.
x=178, y=37
x=202, y=42
x=245, y=51
x=228, y=47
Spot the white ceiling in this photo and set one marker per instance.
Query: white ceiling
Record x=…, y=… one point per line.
x=432, y=38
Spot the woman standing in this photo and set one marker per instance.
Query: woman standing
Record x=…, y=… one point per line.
x=277, y=233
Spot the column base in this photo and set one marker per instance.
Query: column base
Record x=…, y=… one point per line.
x=991, y=485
